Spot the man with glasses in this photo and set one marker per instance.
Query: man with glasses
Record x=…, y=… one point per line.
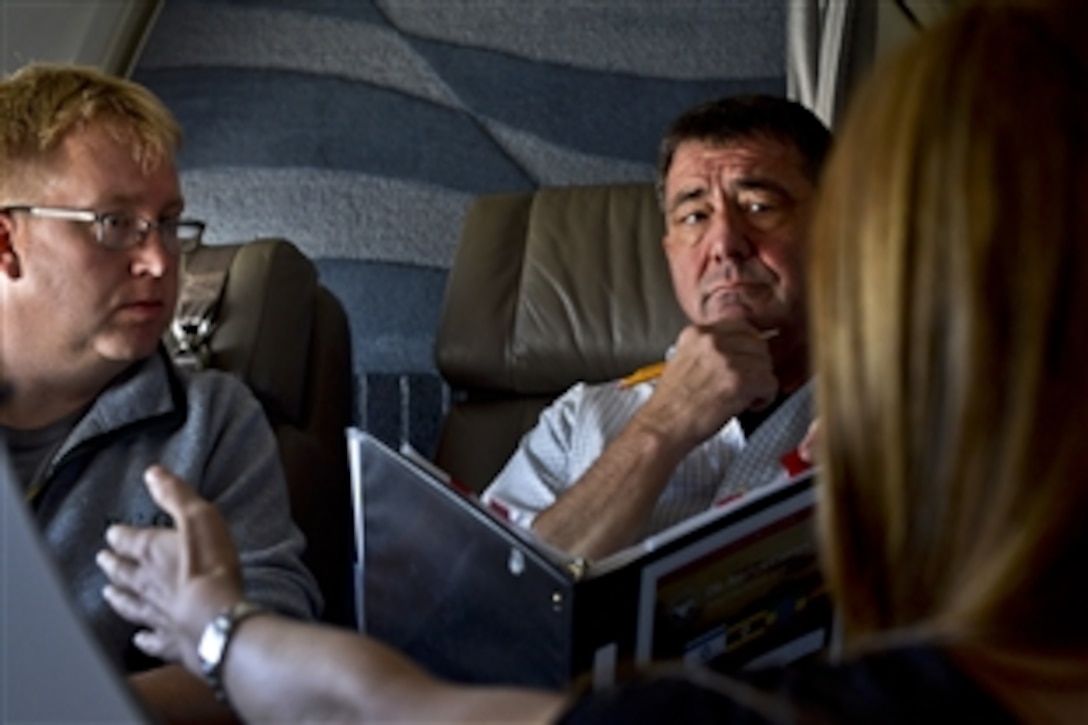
x=91, y=232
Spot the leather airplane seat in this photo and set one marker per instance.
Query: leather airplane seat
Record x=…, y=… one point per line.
x=257, y=310
x=547, y=288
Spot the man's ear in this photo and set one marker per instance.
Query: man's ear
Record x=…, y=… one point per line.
x=9, y=260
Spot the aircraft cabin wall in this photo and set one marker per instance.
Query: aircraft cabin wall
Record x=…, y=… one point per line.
x=361, y=129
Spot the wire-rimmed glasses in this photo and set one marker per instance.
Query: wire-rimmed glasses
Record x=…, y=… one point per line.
x=118, y=230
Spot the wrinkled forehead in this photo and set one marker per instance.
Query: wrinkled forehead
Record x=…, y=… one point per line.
x=760, y=161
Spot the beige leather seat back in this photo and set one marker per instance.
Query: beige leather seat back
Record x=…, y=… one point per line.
x=274, y=326
x=547, y=288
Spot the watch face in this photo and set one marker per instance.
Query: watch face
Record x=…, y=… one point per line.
x=214, y=640
x=212, y=643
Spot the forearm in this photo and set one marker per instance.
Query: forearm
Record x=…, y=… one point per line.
x=609, y=505
x=281, y=670
x=173, y=694
x=274, y=669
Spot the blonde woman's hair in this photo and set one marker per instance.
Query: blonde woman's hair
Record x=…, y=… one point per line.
x=950, y=305
x=42, y=104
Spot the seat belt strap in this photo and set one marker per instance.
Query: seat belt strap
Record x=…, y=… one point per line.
x=203, y=280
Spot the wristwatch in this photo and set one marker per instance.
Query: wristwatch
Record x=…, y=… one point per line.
x=216, y=638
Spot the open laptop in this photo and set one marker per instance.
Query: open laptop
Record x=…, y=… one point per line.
x=449, y=582
x=51, y=669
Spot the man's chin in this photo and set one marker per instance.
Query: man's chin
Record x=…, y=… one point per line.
x=722, y=311
x=128, y=349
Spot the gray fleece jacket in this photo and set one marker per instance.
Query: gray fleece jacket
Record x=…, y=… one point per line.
x=209, y=429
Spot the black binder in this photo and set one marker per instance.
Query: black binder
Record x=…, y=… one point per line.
x=475, y=599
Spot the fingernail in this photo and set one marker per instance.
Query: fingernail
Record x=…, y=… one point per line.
x=145, y=641
x=153, y=477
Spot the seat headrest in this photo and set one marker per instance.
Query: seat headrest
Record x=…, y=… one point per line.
x=262, y=324
x=556, y=286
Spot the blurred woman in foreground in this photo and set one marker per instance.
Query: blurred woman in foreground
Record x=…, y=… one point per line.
x=950, y=291
x=950, y=279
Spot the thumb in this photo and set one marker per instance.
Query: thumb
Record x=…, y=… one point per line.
x=168, y=491
x=205, y=537
x=807, y=448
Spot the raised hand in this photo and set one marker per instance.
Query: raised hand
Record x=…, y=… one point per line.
x=172, y=581
x=714, y=374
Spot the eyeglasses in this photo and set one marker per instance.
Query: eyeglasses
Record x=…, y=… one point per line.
x=124, y=231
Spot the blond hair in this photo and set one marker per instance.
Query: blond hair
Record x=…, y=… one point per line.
x=950, y=304
x=41, y=104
